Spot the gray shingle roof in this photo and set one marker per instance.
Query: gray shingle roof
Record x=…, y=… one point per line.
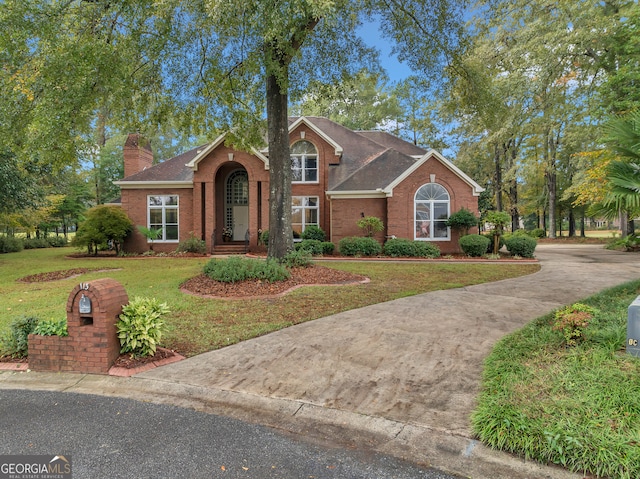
x=370, y=159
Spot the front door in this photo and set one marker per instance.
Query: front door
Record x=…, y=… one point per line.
x=237, y=204
x=240, y=222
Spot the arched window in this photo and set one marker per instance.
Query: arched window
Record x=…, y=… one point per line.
x=304, y=162
x=431, y=212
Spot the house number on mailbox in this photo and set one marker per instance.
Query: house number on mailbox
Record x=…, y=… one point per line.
x=84, y=307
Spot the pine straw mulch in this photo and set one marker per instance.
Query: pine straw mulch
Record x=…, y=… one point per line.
x=58, y=275
x=313, y=275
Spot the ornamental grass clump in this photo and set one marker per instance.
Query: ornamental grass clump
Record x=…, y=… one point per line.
x=141, y=326
x=572, y=322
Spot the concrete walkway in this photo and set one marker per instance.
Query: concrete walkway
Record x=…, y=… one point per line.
x=400, y=377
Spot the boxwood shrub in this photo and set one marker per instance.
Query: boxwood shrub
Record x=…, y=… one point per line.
x=359, y=246
x=474, y=245
x=327, y=248
x=401, y=247
x=313, y=232
x=312, y=246
x=521, y=245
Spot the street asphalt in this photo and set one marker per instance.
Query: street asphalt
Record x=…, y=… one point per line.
x=398, y=378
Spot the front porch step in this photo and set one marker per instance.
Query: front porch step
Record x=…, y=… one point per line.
x=229, y=248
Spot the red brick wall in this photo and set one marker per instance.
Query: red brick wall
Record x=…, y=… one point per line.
x=92, y=345
x=347, y=212
x=401, y=205
x=134, y=202
x=137, y=154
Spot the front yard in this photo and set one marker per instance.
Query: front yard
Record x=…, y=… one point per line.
x=198, y=324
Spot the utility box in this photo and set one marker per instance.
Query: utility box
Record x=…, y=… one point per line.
x=633, y=328
x=92, y=346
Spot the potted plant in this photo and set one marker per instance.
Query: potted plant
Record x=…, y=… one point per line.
x=227, y=233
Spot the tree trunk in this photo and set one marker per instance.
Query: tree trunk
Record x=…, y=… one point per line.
x=582, y=232
x=572, y=223
x=498, y=178
x=280, y=230
x=624, y=223
x=551, y=177
x=513, y=201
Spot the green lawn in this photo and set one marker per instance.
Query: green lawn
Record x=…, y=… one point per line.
x=198, y=324
x=575, y=406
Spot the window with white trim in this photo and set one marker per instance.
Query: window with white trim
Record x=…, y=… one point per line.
x=304, y=212
x=162, y=212
x=432, y=209
x=304, y=162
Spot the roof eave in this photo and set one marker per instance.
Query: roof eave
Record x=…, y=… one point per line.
x=357, y=194
x=145, y=185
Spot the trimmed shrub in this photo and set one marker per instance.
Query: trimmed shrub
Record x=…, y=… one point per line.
x=462, y=220
x=327, y=248
x=192, y=245
x=359, y=246
x=521, y=245
x=474, y=245
x=400, y=247
x=236, y=268
x=140, y=326
x=16, y=342
x=10, y=244
x=298, y=259
x=312, y=246
x=425, y=249
x=313, y=232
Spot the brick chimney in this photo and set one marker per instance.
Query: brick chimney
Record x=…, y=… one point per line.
x=137, y=154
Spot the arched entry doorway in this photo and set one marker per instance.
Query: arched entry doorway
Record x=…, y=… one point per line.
x=236, y=205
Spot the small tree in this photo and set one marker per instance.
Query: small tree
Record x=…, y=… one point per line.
x=499, y=219
x=371, y=225
x=151, y=234
x=103, y=224
x=462, y=220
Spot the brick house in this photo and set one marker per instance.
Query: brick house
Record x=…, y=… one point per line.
x=339, y=176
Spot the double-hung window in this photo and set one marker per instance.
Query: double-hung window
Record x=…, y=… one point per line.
x=163, y=215
x=304, y=212
x=432, y=205
x=304, y=162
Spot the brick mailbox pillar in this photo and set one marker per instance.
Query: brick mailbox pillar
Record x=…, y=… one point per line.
x=92, y=345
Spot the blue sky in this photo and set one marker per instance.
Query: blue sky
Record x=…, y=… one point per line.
x=371, y=35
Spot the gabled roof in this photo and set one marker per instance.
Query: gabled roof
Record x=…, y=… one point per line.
x=371, y=162
x=193, y=164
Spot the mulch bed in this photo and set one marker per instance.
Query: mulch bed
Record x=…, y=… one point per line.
x=58, y=275
x=313, y=275
x=128, y=362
